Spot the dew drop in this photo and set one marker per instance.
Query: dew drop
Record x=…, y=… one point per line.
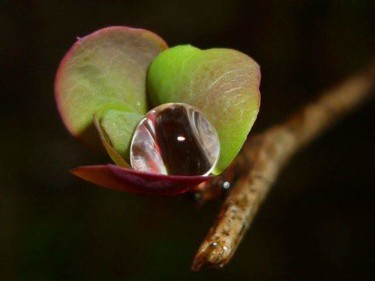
x=175, y=139
x=226, y=185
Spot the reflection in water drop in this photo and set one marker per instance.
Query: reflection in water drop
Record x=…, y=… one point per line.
x=175, y=139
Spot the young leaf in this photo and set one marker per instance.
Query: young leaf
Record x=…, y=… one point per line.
x=120, y=126
x=115, y=156
x=222, y=83
x=104, y=70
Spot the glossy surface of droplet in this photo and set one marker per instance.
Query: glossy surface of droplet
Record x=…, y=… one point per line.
x=175, y=139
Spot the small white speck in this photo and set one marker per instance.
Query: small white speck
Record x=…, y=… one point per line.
x=226, y=185
x=181, y=138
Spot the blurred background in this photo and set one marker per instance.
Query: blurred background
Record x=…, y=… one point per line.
x=315, y=225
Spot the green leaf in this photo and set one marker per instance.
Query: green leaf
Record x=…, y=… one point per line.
x=120, y=126
x=115, y=156
x=222, y=83
x=104, y=70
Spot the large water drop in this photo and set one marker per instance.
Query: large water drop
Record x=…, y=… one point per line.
x=175, y=139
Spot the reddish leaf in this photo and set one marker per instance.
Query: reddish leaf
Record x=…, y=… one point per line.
x=102, y=71
x=122, y=179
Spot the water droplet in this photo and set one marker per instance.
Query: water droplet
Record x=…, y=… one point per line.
x=175, y=139
x=226, y=184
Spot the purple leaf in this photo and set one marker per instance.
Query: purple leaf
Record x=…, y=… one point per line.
x=122, y=179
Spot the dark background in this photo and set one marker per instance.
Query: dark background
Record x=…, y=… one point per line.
x=316, y=223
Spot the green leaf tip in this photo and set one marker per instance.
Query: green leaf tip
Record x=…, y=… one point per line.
x=120, y=126
x=112, y=152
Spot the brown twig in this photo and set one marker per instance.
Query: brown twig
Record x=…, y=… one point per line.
x=262, y=158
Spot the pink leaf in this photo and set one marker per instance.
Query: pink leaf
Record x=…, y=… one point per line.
x=122, y=179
